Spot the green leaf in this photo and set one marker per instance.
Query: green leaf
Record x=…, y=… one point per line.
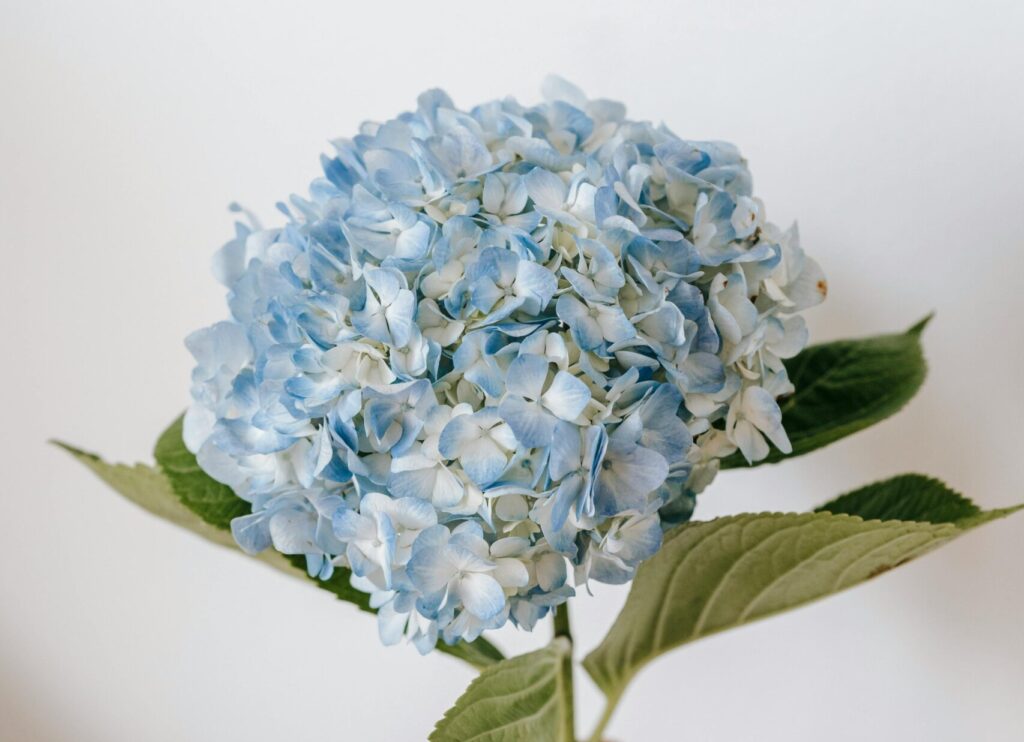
x=523, y=698
x=845, y=386
x=479, y=653
x=212, y=501
x=914, y=497
x=184, y=494
x=338, y=583
x=715, y=575
x=906, y=497
x=149, y=489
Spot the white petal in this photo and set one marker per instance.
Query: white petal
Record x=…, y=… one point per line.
x=749, y=441
x=545, y=188
x=567, y=397
x=481, y=595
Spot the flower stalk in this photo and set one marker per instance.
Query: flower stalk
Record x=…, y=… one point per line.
x=563, y=630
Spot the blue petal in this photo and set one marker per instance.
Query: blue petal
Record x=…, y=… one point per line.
x=700, y=373
x=251, y=532
x=537, y=283
x=430, y=570
x=565, y=450
x=527, y=375
x=626, y=478
x=532, y=424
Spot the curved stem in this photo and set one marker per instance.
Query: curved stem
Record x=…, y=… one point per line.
x=563, y=629
x=606, y=716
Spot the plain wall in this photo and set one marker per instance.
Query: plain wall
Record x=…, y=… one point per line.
x=891, y=130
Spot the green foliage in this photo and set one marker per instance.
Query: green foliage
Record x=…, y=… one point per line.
x=720, y=574
x=708, y=576
x=523, y=698
x=212, y=501
x=906, y=497
x=182, y=493
x=845, y=386
x=150, y=489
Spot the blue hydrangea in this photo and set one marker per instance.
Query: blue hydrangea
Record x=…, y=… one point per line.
x=494, y=353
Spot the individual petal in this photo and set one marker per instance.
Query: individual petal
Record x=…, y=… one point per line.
x=626, y=478
x=350, y=525
x=293, y=531
x=787, y=337
x=532, y=424
x=510, y=573
x=763, y=411
x=481, y=595
x=536, y=284
x=809, y=288
x=430, y=569
x=565, y=450
x=546, y=189
x=251, y=532
x=585, y=330
x=527, y=375
x=457, y=435
x=615, y=326
x=663, y=430
x=750, y=442
x=567, y=396
x=551, y=572
x=639, y=538
x=699, y=373
x=412, y=513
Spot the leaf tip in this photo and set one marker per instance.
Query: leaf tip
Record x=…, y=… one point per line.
x=75, y=451
x=919, y=327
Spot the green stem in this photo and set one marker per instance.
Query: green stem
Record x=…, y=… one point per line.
x=606, y=716
x=563, y=629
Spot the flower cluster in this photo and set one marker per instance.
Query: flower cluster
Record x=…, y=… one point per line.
x=494, y=353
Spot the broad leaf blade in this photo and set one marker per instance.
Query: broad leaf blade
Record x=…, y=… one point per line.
x=845, y=386
x=914, y=497
x=184, y=494
x=479, y=653
x=212, y=501
x=906, y=497
x=338, y=583
x=523, y=698
x=715, y=575
x=148, y=488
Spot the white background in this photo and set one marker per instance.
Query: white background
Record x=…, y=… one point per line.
x=892, y=130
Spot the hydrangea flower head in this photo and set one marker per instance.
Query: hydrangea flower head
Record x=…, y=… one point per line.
x=494, y=353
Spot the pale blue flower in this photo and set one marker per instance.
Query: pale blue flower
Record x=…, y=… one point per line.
x=502, y=283
x=388, y=308
x=576, y=455
x=380, y=535
x=753, y=416
x=597, y=277
x=595, y=324
x=534, y=403
x=494, y=344
x=448, y=566
x=627, y=473
x=481, y=442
